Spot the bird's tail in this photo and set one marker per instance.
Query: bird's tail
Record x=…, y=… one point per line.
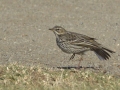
x=102, y=53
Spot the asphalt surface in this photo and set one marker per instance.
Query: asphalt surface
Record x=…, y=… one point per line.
x=25, y=38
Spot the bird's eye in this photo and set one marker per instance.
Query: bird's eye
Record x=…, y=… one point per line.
x=57, y=29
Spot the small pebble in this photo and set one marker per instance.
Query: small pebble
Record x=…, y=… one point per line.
x=118, y=44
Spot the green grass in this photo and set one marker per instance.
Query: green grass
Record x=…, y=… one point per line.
x=18, y=77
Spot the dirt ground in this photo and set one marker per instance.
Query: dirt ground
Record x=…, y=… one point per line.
x=25, y=38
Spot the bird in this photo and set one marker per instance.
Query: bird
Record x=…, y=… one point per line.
x=77, y=44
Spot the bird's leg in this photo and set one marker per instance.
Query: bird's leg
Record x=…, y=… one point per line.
x=80, y=62
x=72, y=56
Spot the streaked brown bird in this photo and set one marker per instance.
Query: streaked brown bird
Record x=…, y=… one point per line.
x=74, y=43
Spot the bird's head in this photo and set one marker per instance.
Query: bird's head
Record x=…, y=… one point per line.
x=58, y=30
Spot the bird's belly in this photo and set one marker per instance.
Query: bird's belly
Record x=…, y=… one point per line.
x=68, y=48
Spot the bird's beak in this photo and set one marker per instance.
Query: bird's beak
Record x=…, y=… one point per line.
x=51, y=29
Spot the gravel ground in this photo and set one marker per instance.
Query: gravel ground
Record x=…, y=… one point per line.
x=25, y=38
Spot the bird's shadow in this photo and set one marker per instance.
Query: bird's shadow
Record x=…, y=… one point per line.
x=78, y=68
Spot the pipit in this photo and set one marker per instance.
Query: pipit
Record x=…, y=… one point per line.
x=74, y=43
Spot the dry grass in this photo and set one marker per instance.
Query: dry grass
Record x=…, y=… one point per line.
x=17, y=77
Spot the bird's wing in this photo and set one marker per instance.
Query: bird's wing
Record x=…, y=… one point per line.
x=83, y=40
